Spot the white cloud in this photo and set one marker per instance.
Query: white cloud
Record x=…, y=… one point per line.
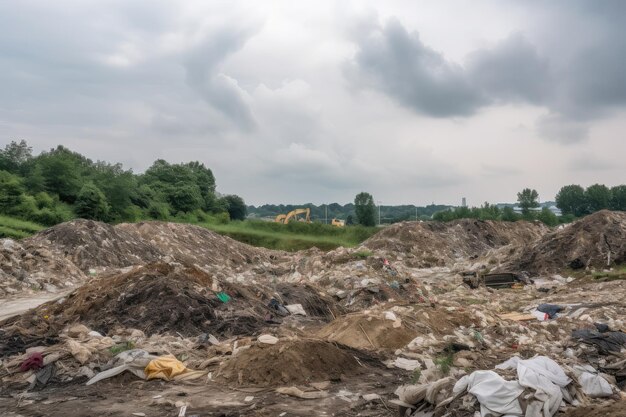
x=260, y=93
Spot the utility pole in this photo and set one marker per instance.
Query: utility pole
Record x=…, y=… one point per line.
x=379, y=203
x=325, y=213
x=415, y=213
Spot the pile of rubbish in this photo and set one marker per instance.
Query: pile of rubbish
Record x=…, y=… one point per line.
x=430, y=244
x=28, y=269
x=71, y=253
x=597, y=240
x=182, y=320
x=162, y=298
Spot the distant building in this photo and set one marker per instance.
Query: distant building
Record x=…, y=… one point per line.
x=553, y=209
x=463, y=202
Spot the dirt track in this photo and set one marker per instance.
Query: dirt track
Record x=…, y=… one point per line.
x=13, y=307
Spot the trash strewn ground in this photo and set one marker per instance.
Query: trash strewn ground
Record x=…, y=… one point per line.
x=166, y=319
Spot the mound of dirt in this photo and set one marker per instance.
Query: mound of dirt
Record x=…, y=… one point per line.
x=189, y=244
x=63, y=255
x=616, y=409
x=29, y=269
x=289, y=362
x=597, y=240
x=90, y=244
x=365, y=332
x=428, y=244
x=315, y=303
x=158, y=298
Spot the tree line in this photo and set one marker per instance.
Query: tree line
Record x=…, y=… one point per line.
x=573, y=201
x=59, y=184
x=577, y=201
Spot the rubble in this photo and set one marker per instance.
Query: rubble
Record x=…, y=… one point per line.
x=428, y=244
x=597, y=240
x=266, y=332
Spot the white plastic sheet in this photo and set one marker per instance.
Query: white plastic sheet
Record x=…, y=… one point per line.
x=544, y=376
x=495, y=394
x=592, y=384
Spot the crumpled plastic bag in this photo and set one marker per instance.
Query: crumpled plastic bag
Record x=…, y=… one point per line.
x=592, y=384
x=78, y=351
x=543, y=375
x=147, y=366
x=134, y=360
x=494, y=393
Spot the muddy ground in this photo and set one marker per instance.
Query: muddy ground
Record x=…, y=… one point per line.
x=402, y=315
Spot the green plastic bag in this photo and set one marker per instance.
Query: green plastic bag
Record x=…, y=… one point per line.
x=224, y=298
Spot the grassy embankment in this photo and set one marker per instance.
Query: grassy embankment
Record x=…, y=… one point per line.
x=293, y=236
x=16, y=228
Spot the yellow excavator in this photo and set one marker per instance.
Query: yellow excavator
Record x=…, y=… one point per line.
x=338, y=223
x=293, y=215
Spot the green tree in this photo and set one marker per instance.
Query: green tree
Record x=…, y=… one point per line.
x=236, y=207
x=185, y=198
x=547, y=217
x=571, y=200
x=365, y=209
x=159, y=211
x=528, y=199
x=618, y=198
x=14, y=156
x=63, y=172
x=11, y=191
x=91, y=203
x=598, y=197
x=349, y=220
x=509, y=215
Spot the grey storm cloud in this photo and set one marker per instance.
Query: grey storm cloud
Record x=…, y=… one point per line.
x=395, y=61
x=575, y=89
x=511, y=71
x=217, y=89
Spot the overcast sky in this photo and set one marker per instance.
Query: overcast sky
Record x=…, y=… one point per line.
x=314, y=101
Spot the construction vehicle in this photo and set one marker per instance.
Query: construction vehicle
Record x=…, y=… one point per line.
x=338, y=223
x=293, y=215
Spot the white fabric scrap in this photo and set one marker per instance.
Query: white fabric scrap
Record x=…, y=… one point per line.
x=592, y=384
x=543, y=375
x=494, y=393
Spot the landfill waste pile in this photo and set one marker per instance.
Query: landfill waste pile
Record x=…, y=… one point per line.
x=71, y=253
x=597, y=240
x=430, y=244
x=177, y=320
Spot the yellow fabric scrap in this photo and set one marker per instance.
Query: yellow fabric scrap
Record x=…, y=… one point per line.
x=170, y=369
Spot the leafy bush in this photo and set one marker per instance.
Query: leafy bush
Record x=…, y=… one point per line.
x=159, y=211
x=91, y=203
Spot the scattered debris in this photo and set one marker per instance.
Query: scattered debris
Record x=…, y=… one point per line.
x=218, y=318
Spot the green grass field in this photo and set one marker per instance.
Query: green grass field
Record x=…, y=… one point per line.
x=16, y=228
x=293, y=236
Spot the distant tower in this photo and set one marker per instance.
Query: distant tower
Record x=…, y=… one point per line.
x=463, y=202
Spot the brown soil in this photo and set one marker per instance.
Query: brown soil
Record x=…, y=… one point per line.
x=363, y=332
x=289, y=362
x=159, y=298
x=428, y=244
x=586, y=242
x=314, y=302
x=617, y=409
